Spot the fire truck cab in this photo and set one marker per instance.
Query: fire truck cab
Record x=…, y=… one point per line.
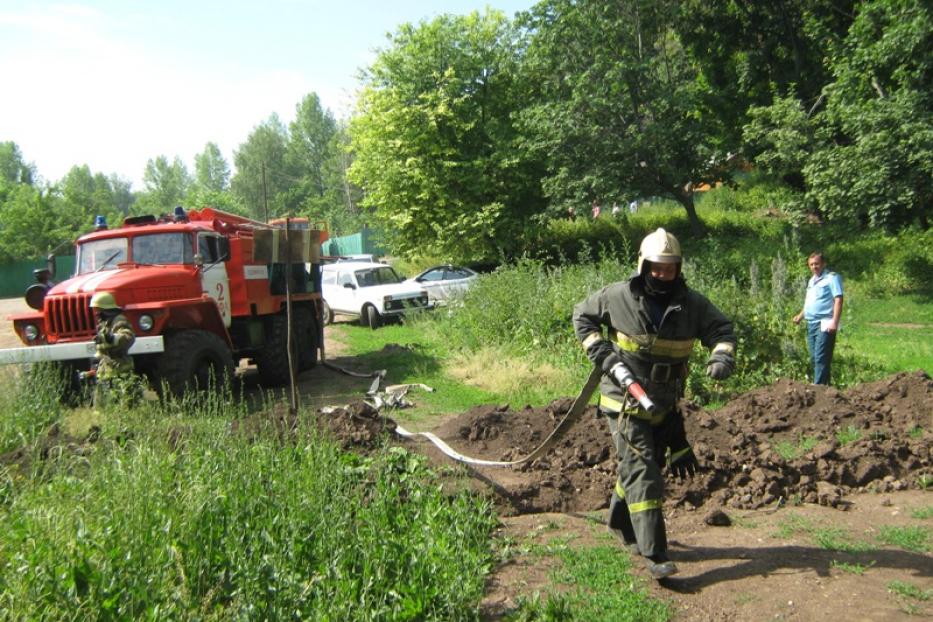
x=197, y=299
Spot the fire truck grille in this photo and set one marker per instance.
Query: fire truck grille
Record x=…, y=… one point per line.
x=69, y=316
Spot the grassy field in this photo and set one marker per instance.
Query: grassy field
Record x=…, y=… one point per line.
x=898, y=332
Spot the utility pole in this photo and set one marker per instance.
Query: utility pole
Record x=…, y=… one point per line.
x=293, y=389
x=265, y=196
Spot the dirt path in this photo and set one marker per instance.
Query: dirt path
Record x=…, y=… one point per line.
x=811, y=478
x=8, y=338
x=758, y=569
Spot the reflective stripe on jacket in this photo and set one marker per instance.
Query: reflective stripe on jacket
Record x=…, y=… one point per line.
x=623, y=310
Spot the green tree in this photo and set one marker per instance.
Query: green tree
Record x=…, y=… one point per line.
x=166, y=185
x=748, y=51
x=878, y=127
x=340, y=207
x=309, y=141
x=211, y=185
x=867, y=156
x=262, y=176
x=123, y=197
x=211, y=171
x=434, y=139
x=13, y=169
x=619, y=109
x=31, y=223
x=85, y=195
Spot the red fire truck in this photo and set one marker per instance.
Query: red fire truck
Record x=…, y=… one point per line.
x=198, y=300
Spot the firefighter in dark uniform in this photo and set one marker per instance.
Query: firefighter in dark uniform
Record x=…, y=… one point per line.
x=114, y=338
x=652, y=321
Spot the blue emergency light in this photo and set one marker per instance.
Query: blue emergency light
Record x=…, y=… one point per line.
x=100, y=222
x=179, y=214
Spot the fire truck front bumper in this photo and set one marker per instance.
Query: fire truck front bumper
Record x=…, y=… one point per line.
x=73, y=351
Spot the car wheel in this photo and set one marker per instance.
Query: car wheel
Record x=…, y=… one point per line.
x=327, y=313
x=371, y=317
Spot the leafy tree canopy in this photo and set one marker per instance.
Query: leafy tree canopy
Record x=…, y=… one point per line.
x=13, y=169
x=867, y=156
x=262, y=175
x=619, y=111
x=435, y=142
x=211, y=171
x=166, y=185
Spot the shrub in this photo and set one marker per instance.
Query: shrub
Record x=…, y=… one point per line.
x=526, y=309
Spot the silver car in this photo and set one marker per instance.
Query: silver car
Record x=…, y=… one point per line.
x=445, y=282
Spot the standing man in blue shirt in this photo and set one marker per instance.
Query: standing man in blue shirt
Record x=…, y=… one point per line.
x=822, y=309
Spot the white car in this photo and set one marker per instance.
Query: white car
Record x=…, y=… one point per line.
x=445, y=282
x=372, y=291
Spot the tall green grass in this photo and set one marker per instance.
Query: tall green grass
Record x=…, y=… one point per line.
x=527, y=308
x=751, y=264
x=183, y=518
x=29, y=403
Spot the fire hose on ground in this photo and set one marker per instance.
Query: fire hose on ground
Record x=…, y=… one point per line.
x=572, y=415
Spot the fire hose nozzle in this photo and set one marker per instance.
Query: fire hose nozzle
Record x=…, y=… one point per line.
x=626, y=379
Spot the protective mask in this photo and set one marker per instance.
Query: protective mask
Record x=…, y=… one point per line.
x=657, y=287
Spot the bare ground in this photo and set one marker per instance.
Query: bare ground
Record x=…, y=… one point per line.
x=863, y=456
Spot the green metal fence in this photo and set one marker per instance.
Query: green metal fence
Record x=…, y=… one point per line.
x=16, y=277
x=362, y=243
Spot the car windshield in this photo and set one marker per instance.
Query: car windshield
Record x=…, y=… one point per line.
x=383, y=275
x=101, y=254
x=163, y=248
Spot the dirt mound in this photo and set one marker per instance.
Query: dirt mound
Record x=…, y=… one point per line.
x=51, y=445
x=789, y=440
x=357, y=426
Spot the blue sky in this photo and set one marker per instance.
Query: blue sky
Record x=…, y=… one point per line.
x=113, y=83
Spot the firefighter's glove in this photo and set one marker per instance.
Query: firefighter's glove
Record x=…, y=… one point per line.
x=684, y=463
x=720, y=365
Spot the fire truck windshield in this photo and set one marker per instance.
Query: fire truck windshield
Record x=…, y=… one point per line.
x=157, y=248
x=163, y=248
x=101, y=254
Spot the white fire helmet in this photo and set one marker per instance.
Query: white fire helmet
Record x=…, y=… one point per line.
x=659, y=247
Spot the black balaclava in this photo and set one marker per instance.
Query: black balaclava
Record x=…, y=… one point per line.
x=656, y=288
x=109, y=314
x=659, y=293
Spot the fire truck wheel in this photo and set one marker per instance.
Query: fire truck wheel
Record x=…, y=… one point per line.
x=327, y=313
x=371, y=317
x=194, y=359
x=306, y=331
x=272, y=359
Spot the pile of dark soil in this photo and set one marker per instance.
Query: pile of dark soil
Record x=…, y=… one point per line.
x=357, y=426
x=51, y=445
x=790, y=440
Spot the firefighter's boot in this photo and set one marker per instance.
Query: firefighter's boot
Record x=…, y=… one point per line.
x=620, y=523
x=659, y=565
